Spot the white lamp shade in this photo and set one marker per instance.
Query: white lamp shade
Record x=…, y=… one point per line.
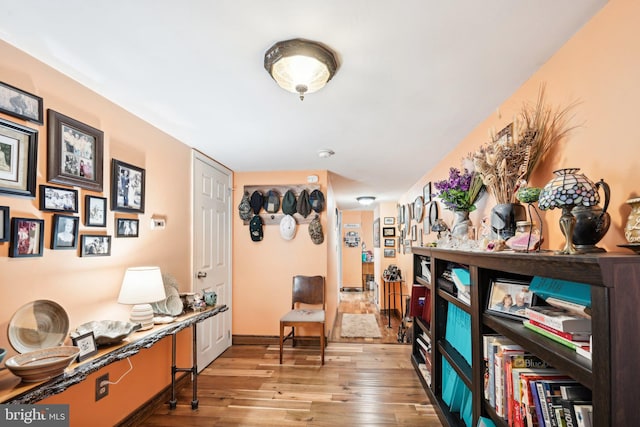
x=142, y=285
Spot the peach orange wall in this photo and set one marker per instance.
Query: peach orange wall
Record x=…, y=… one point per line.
x=599, y=68
x=87, y=288
x=262, y=271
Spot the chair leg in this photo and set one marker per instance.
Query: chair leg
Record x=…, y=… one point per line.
x=281, y=339
x=322, y=346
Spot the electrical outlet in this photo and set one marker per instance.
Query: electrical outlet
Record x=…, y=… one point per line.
x=102, y=386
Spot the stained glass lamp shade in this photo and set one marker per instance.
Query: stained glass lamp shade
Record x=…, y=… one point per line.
x=566, y=190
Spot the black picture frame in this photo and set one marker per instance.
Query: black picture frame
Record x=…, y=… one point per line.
x=5, y=224
x=95, y=211
x=58, y=199
x=21, y=104
x=95, y=245
x=127, y=227
x=388, y=232
x=87, y=345
x=389, y=253
x=61, y=236
x=27, y=238
x=502, y=289
x=75, y=152
x=390, y=243
x=127, y=187
x=18, y=159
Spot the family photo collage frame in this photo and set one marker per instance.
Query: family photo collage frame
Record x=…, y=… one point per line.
x=75, y=158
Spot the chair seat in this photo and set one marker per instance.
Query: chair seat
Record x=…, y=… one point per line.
x=303, y=316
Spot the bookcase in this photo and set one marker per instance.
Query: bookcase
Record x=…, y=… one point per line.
x=613, y=374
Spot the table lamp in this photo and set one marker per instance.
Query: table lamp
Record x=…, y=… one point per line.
x=567, y=190
x=140, y=287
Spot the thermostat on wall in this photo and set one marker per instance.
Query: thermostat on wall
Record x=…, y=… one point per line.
x=157, y=223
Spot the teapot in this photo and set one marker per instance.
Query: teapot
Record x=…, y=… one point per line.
x=592, y=222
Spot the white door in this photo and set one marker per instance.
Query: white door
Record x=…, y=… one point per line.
x=212, y=252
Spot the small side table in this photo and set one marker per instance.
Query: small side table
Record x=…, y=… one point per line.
x=389, y=291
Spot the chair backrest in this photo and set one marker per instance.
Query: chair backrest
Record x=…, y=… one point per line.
x=308, y=290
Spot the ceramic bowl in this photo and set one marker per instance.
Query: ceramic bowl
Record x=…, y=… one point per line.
x=37, y=325
x=107, y=332
x=43, y=364
x=3, y=353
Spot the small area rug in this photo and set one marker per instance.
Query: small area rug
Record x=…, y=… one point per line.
x=359, y=326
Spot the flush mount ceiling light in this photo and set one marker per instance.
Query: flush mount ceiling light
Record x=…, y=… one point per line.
x=325, y=153
x=365, y=200
x=300, y=66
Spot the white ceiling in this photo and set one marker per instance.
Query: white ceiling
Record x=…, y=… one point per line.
x=415, y=76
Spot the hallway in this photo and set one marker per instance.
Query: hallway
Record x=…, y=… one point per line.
x=362, y=303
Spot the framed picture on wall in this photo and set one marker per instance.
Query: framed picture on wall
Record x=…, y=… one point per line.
x=376, y=233
x=95, y=211
x=389, y=220
x=426, y=192
x=18, y=103
x=390, y=242
x=27, y=237
x=75, y=152
x=388, y=231
x=18, y=154
x=58, y=199
x=126, y=227
x=95, y=245
x=64, y=233
x=127, y=187
x=389, y=253
x=4, y=224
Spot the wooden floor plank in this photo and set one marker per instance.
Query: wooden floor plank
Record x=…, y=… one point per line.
x=362, y=383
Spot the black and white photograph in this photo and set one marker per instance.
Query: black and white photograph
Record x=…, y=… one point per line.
x=87, y=345
x=57, y=199
x=127, y=187
x=18, y=103
x=127, y=227
x=4, y=224
x=389, y=253
x=509, y=298
x=95, y=211
x=75, y=152
x=64, y=233
x=390, y=243
x=388, y=232
x=94, y=245
x=27, y=237
x=389, y=220
x=18, y=153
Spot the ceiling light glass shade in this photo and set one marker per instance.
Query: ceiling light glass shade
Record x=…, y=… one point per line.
x=365, y=200
x=567, y=190
x=300, y=66
x=140, y=287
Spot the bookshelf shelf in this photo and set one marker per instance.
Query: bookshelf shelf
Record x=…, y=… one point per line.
x=615, y=298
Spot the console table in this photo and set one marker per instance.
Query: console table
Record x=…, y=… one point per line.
x=390, y=291
x=13, y=391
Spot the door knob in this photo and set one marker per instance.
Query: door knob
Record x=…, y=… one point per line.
x=201, y=275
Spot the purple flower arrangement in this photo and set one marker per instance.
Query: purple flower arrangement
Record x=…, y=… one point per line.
x=460, y=191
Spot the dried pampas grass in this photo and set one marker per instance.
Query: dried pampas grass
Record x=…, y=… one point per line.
x=509, y=159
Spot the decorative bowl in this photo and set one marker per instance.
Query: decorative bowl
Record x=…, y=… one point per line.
x=43, y=364
x=107, y=332
x=3, y=353
x=37, y=325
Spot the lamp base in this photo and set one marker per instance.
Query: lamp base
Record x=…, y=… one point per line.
x=143, y=314
x=567, y=223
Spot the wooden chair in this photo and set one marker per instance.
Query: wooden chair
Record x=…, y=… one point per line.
x=306, y=300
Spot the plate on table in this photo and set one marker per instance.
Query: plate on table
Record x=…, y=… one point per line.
x=37, y=325
x=174, y=305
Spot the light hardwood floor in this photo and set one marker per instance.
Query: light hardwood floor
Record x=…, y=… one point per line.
x=361, y=384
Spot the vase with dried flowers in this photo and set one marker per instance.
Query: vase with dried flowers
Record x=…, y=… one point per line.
x=507, y=161
x=459, y=194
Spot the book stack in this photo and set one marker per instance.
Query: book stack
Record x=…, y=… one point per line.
x=567, y=319
x=458, y=330
x=420, y=303
x=525, y=391
x=455, y=394
x=424, y=348
x=461, y=278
